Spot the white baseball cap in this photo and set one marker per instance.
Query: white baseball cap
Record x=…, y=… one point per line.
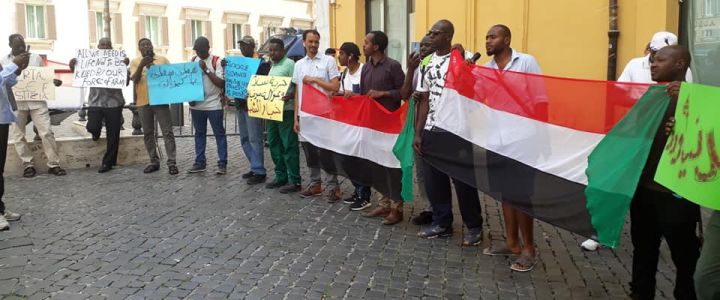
x=662, y=39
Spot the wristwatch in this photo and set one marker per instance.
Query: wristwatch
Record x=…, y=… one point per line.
x=207, y=71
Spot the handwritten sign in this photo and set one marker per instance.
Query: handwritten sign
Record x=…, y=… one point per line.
x=238, y=72
x=175, y=83
x=35, y=84
x=265, y=95
x=691, y=159
x=103, y=68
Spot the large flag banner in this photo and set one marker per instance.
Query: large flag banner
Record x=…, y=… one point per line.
x=104, y=68
x=568, y=152
x=265, y=96
x=175, y=83
x=238, y=72
x=691, y=159
x=35, y=84
x=352, y=137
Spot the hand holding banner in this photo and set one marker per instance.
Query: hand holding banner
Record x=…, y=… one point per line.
x=691, y=160
x=175, y=83
x=104, y=68
x=35, y=84
x=265, y=95
x=238, y=72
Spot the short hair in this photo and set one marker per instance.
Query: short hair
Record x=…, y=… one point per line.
x=351, y=49
x=330, y=51
x=313, y=31
x=14, y=36
x=201, y=40
x=277, y=41
x=144, y=39
x=380, y=39
x=504, y=29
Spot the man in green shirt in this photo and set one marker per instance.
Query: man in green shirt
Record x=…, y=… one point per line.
x=283, y=140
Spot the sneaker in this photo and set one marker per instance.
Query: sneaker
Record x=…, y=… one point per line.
x=473, y=237
x=151, y=168
x=352, y=199
x=222, y=170
x=57, y=171
x=104, y=169
x=196, y=169
x=423, y=218
x=360, y=204
x=290, y=188
x=248, y=175
x=334, y=195
x=11, y=216
x=313, y=189
x=29, y=172
x=4, y=225
x=589, y=245
x=256, y=179
x=435, y=231
x=275, y=184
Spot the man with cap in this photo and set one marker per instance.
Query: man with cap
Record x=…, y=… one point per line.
x=637, y=70
x=209, y=110
x=251, y=129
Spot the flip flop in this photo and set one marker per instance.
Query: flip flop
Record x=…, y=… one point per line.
x=524, y=263
x=501, y=251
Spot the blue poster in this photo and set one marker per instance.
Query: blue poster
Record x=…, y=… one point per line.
x=175, y=83
x=238, y=72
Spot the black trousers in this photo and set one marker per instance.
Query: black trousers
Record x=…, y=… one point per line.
x=113, y=121
x=4, y=129
x=439, y=194
x=655, y=215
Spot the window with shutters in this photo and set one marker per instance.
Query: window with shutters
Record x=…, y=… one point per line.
x=97, y=25
x=35, y=21
x=196, y=29
x=152, y=23
x=152, y=29
x=236, y=28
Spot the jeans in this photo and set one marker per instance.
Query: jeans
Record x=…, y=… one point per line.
x=149, y=114
x=647, y=229
x=362, y=191
x=251, y=140
x=113, y=119
x=284, y=149
x=437, y=187
x=707, y=272
x=200, y=119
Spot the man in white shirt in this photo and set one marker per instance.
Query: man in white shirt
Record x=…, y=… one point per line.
x=211, y=109
x=321, y=71
x=37, y=111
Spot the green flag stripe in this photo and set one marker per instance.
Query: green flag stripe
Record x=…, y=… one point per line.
x=403, y=150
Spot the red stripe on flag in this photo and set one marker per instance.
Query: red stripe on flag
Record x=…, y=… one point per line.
x=586, y=105
x=360, y=111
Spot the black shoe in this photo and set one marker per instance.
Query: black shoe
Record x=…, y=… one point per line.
x=435, y=231
x=360, y=204
x=248, y=175
x=351, y=199
x=173, y=170
x=256, y=179
x=423, y=218
x=29, y=172
x=275, y=184
x=57, y=171
x=290, y=188
x=104, y=168
x=151, y=168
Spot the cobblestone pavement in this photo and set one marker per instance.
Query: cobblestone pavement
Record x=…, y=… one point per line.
x=125, y=234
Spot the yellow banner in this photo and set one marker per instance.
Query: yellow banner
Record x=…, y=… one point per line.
x=265, y=96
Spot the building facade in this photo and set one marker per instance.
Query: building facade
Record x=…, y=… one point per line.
x=568, y=37
x=57, y=27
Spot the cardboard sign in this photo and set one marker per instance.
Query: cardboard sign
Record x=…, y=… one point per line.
x=175, y=83
x=265, y=95
x=35, y=84
x=104, y=68
x=238, y=72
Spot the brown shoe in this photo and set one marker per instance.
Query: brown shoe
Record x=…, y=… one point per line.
x=377, y=212
x=314, y=189
x=395, y=216
x=334, y=195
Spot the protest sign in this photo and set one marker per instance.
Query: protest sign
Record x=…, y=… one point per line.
x=691, y=158
x=238, y=72
x=265, y=95
x=103, y=68
x=35, y=84
x=175, y=83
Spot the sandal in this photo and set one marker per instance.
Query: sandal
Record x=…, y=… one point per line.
x=173, y=170
x=502, y=251
x=151, y=168
x=524, y=263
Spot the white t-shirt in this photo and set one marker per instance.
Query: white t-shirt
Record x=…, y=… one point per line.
x=433, y=83
x=213, y=93
x=637, y=70
x=351, y=82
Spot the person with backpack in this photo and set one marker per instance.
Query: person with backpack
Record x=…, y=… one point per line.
x=210, y=109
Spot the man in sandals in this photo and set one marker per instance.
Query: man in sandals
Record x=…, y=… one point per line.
x=517, y=223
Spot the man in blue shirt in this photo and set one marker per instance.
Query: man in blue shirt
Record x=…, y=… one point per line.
x=8, y=75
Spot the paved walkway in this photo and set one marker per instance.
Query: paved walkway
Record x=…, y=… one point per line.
x=125, y=234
